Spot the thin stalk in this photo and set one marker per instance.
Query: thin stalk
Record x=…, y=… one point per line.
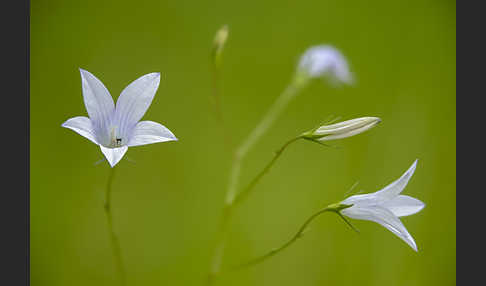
x=220, y=245
x=272, y=114
x=272, y=252
x=114, y=239
x=246, y=191
x=269, y=118
x=217, y=104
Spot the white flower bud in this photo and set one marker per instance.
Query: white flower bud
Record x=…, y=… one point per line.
x=342, y=129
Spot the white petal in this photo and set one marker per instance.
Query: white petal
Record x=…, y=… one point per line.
x=404, y=205
x=384, y=217
x=99, y=104
x=114, y=155
x=394, y=189
x=362, y=200
x=147, y=132
x=82, y=125
x=134, y=101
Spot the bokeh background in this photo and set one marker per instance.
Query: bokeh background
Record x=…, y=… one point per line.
x=167, y=204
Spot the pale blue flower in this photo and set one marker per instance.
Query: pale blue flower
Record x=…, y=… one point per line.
x=325, y=61
x=115, y=128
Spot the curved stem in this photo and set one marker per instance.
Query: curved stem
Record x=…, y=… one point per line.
x=272, y=114
x=272, y=252
x=114, y=239
x=244, y=193
x=240, y=153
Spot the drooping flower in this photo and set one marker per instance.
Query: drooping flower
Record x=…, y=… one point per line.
x=342, y=129
x=386, y=206
x=325, y=61
x=115, y=129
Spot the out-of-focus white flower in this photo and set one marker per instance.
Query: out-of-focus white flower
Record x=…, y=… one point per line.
x=115, y=129
x=325, y=61
x=385, y=206
x=343, y=129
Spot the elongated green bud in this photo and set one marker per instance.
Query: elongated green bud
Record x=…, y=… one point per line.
x=218, y=44
x=342, y=129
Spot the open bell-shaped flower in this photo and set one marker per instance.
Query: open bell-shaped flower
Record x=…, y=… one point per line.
x=115, y=128
x=325, y=61
x=386, y=206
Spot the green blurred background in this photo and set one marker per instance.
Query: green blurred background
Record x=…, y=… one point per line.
x=167, y=205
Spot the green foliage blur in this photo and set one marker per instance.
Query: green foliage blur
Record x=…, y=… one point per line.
x=168, y=202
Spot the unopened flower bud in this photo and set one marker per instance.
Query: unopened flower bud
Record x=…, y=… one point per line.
x=342, y=129
x=218, y=43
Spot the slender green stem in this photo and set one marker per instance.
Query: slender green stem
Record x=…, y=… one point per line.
x=114, y=239
x=335, y=208
x=298, y=235
x=243, y=194
x=220, y=245
x=217, y=105
x=269, y=118
x=272, y=114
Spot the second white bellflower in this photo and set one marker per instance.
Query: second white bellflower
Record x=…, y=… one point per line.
x=386, y=206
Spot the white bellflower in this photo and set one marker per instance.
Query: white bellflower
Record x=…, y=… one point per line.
x=115, y=128
x=386, y=206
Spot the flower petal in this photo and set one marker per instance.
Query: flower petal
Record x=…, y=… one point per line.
x=362, y=200
x=384, y=217
x=147, y=132
x=134, y=101
x=394, y=189
x=82, y=125
x=99, y=104
x=404, y=205
x=114, y=155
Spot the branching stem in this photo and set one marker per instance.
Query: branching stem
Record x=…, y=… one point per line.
x=269, y=118
x=246, y=191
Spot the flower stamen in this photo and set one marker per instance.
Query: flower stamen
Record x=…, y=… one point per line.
x=114, y=140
